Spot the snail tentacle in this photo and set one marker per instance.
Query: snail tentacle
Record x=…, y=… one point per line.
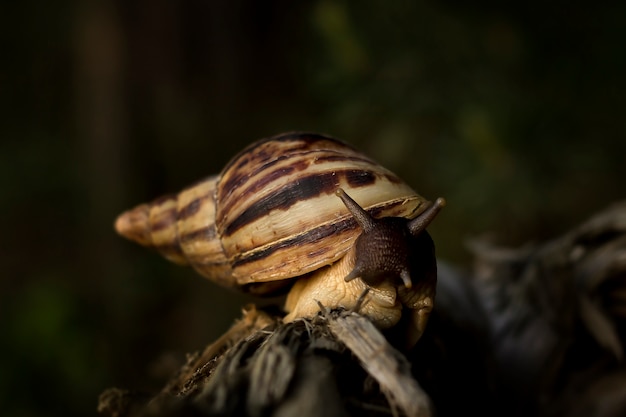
x=419, y=224
x=362, y=217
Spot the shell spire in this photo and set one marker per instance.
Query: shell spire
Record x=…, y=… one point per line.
x=181, y=227
x=153, y=225
x=134, y=225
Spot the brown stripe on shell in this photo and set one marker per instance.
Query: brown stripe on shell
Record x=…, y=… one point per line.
x=301, y=189
x=205, y=233
x=270, y=177
x=266, y=153
x=197, y=234
x=161, y=217
x=265, y=179
x=359, y=178
x=166, y=218
x=191, y=208
x=163, y=230
x=304, y=188
x=265, y=148
x=316, y=235
x=309, y=237
x=262, y=178
x=240, y=176
x=257, y=158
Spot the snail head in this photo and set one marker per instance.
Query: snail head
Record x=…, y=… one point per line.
x=386, y=245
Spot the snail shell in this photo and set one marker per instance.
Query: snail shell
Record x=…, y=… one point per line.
x=273, y=214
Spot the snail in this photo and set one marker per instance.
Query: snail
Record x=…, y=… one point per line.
x=305, y=213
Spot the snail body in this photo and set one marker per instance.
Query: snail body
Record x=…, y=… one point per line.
x=284, y=211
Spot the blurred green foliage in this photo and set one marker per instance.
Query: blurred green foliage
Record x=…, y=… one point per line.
x=513, y=112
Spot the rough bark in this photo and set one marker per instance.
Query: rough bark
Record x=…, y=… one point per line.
x=336, y=364
x=537, y=330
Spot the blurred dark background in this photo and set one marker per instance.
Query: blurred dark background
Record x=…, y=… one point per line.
x=513, y=112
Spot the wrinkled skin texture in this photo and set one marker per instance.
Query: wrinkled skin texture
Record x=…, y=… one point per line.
x=384, y=303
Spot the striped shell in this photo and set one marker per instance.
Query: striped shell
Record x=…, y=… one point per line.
x=272, y=214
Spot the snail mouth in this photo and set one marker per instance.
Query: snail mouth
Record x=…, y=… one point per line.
x=381, y=305
x=383, y=295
